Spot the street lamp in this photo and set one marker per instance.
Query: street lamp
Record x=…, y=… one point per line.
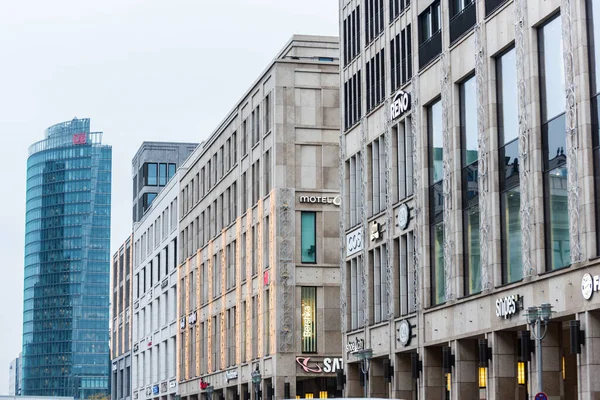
x=536, y=317
x=256, y=377
x=365, y=356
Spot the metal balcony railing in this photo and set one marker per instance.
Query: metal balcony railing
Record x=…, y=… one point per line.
x=462, y=22
x=492, y=5
x=430, y=49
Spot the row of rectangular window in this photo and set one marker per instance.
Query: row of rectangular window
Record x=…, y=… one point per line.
x=379, y=303
x=155, y=364
x=224, y=210
x=226, y=157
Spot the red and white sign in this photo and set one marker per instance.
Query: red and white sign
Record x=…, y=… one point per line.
x=79, y=138
x=328, y=365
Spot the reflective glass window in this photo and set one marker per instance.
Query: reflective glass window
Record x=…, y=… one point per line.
x=152, y=174
x=309, y=237
x=162, y=174
x=554, y=143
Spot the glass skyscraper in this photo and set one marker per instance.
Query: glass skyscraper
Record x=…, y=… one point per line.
x=67, y=263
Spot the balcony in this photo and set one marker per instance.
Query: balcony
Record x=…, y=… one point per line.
x=430, y=49
x=462, y=22
x=492, y=5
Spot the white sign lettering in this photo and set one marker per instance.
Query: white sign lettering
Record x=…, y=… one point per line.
x=231, y=374
x=354, y=242
x=507, y=306
x=400, y=104
x=335, y=200
x=357, y=345
x=307, y=318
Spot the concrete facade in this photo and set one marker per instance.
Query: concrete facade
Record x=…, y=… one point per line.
x=411, y=292
x=155, y=298
x=167, y=155
x=255, y=293
x=121, y=327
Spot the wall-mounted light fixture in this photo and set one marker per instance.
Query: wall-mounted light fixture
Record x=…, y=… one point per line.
x=576, y=336
x=485, y=354
x=416, y=365
x=521, y=373
x=482, y=377
x=447, y=359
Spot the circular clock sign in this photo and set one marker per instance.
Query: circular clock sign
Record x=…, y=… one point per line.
x=404, y=332
x=587, y=286
x=402, y=217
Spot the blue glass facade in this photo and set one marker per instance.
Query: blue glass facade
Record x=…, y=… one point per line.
x=67, y=263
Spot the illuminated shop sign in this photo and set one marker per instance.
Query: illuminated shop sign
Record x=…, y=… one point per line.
x=589, y=285
x=335, y=200
x=400, y=104
x=354, y=242
x=309, y=323
x=79, y=138
x=326, y=366
x=509, y=305
x=356, y=345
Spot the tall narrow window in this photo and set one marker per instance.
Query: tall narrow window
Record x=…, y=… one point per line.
x=351, y=35
x=309, y=320
x=152, y=174
x=162, y=173
x=375, y=80
x=267, y=172
x=267, y=113
x=309, y=237
x=404, y=144
x=373, y=19
x=508, y=154
x=436, y=201
x=355, y=271
x=401, y=58
x=593, y=14
x=378, y=261
x=244, y=145
x=172, y=168
x=552, y=87
x=397, y=7
x=470, y=183
x=352, y=100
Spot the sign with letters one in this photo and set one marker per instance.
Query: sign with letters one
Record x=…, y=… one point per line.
x=354, y=242
x=400, y=104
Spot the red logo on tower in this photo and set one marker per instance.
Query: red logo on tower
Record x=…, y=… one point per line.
x=79, y=138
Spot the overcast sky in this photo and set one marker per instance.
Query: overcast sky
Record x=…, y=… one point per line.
x=141, y=70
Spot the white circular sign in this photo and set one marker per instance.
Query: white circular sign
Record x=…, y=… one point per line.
x=402, y=217
x=404, y=332
x=587, y=286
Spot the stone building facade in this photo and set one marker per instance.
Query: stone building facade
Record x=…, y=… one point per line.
x=154, y=373
x=258, y=261
x=470, y=165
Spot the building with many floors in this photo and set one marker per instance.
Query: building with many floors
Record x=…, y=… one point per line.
x=154, y=310
x=15, y=377
x=152, y=167
x=67, y=264
x=470, y=147
x=258, y=263
x=122, y=282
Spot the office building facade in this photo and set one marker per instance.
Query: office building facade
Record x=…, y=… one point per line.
x=14, y=377
x=67, y=263
x=122, y=282
x=470, y=197
x=258, y=246
x=155, y=298
x=152, y=167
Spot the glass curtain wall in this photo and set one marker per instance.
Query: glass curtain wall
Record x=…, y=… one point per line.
x=436, y=202
x=510, y=195
x=552, y=87
x=67, y=255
